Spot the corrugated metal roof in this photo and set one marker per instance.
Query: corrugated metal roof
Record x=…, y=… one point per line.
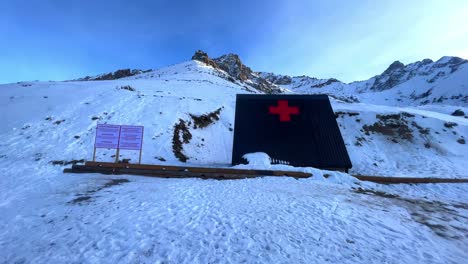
x=311, y=137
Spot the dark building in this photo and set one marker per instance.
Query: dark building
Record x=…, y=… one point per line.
x=299, y=130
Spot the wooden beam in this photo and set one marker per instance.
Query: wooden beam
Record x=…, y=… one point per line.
x=396, y=180
x=296, y=174
x=160, y=173
x=226, y=173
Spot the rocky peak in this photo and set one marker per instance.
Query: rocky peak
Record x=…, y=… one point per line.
x=452, y=62
x=398, y=73
x=394, y=66
x=426, y=61
x=391, y=77
x=233, y=66
x=203, y=57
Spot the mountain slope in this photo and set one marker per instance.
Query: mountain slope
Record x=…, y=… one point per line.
x=48, y=216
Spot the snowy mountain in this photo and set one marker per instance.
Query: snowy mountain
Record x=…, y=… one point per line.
x=398, y=123
x=421, y=83
x=177, y=93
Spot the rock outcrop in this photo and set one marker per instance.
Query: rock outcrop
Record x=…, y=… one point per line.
x=203, y=57
x=119, y=74
x=232, y=65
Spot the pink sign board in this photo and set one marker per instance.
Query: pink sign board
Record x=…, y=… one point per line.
x=131, y=137
x=107, y=136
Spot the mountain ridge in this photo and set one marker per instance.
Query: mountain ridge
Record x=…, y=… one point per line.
x=274, y=78
x=418, y=83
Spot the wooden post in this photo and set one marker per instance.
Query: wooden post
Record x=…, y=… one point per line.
x=94, y=154
x=141, y=146
x=117, y=156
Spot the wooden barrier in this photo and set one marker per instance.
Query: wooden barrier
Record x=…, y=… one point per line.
x=396, y=180
x=178, y=172
x=226, y=173
x=295, y=174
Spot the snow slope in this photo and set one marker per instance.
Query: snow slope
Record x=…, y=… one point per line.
x=51, y=217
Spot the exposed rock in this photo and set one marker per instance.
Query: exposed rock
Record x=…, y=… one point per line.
x=458, y=112
x=236, y=70
x=205, y=120
x=58, y=122
x=389, y=79
x=347, y=99
x=394, y=66
x=328, y=82
x=394, y=126
x=421, y=96
x=426, y=61
x=277, y=79
x=232, y=64
x=265, y=86
x=203, y=57
x=114, y=75
x=160, y=158
x=450, y=124
x=66, y=162
x=180, y=131
x=127, y=87
x=285, y=80
x=341, y=114
x=436, y=77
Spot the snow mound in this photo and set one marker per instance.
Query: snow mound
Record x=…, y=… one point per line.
x=259, y=160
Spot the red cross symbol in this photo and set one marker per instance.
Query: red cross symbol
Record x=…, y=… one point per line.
x=284, y=110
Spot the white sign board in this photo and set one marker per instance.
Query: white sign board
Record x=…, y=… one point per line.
x=131, y=137
x=107, y=136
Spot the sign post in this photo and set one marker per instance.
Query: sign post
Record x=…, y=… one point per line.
x=94, y=153
x=131, y=138
x=117, y=153
x=107, y=136
x=119, y=137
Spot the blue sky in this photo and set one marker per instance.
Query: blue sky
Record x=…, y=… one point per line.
x=348, y=40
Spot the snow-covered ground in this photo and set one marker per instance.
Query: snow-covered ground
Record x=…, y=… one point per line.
x=268, y=220
x=51, y=217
